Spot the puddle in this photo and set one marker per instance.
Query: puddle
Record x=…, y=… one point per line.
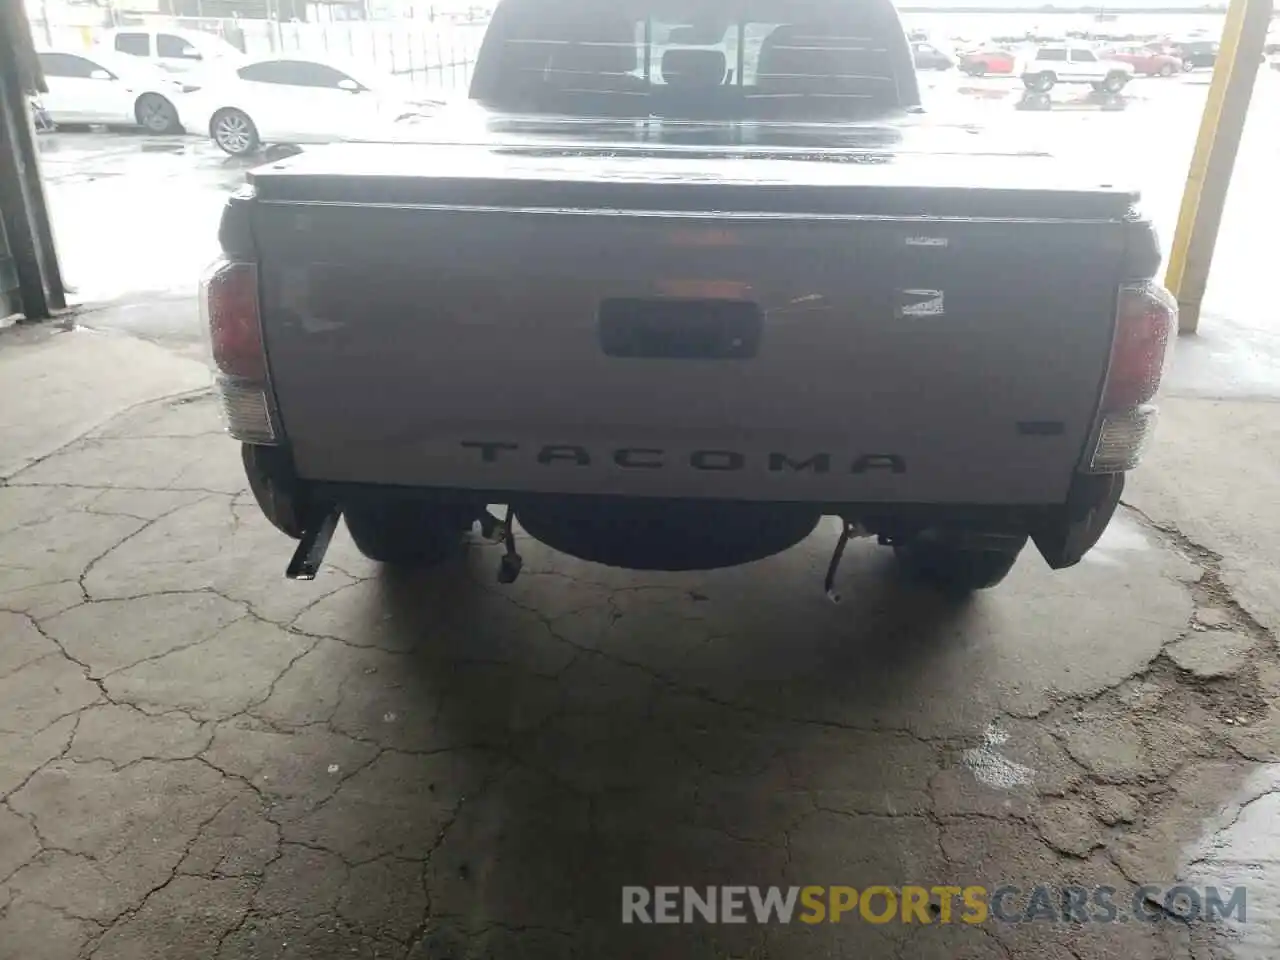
x=1242, y=848
x=1119, y=541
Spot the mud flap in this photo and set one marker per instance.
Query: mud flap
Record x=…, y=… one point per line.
x=1077, y=525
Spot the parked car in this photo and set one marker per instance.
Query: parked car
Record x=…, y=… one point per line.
x=656, y=358
x=173, y=49
x=985, y=60
x=1148, y=63
x=1196, y=54
x=299, y=101
x=102, y=87
x=929, y=57
x=1066, y=63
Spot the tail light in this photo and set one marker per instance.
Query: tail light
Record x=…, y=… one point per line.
x=1146, y=318
x=229, y=309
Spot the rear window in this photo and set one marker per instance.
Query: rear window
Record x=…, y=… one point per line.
x=763, y=59
x=1051, y=53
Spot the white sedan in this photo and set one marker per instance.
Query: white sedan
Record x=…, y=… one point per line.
x=107, y=88
x=296, y=101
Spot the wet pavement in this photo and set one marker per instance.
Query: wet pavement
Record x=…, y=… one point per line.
x=200, y=759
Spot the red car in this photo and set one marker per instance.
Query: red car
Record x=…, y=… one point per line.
x=978, y=63
x=1148, y=62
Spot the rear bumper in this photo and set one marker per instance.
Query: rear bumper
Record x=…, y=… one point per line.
x=1063, y=532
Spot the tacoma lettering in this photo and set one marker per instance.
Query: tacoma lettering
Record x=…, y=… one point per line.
x=488, y=451
x=878, y=461
x=565, y=452
x=638, y=457
x=818, y=463
x=655, y=458
x=716, y=460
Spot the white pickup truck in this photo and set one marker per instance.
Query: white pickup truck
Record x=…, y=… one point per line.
x=1062, y=63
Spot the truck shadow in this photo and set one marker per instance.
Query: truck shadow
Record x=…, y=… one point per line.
x=733, y=727
x=517, y=755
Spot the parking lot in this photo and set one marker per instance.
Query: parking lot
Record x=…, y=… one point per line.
x=201, y=759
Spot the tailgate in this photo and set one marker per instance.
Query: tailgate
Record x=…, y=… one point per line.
x=765, y=355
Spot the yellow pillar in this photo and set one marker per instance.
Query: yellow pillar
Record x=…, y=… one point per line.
x=1239, y=55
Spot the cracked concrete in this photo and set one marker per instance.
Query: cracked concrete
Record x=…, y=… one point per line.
x=200, y=759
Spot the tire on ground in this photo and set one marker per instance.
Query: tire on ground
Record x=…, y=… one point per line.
x=156, y=114
x=956, y=569
x=240, y=147
x=407, y=533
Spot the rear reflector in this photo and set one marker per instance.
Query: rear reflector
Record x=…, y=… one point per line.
x=229, y=309
x=1123, y=439
x=246, y=411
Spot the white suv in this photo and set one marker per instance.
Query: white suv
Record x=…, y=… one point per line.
x=1064, y=63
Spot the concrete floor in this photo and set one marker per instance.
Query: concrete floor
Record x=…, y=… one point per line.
x=201, y=759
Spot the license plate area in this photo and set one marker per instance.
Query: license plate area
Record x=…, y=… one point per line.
x=679, y=329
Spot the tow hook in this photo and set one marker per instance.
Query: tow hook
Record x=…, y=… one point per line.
x=494, y=530
x=318, y=525
x=849, y=531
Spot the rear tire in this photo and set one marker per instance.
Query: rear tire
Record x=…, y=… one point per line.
x=1040, y=82
x=956, y=569
x=672, y=536
x=978, y=70
x=407, y=533
x=1166, y=70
